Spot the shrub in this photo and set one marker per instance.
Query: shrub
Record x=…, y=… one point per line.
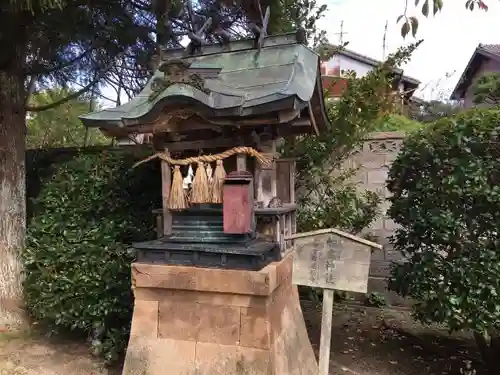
x=326, y=196
x=446, y=198
x=344, y=207
x=77, y=261
x=396, y=123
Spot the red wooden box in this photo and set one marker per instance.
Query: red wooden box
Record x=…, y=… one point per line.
x=238, y=203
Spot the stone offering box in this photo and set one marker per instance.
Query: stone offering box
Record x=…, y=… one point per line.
x=214, y=293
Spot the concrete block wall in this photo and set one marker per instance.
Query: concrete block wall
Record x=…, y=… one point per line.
x=372, y=162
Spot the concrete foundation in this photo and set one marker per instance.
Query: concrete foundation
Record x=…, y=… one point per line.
x=199, y=321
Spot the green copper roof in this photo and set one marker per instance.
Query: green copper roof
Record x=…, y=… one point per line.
x=248, y=78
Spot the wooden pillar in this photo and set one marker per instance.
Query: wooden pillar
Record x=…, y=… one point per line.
x=166, y=182
x=326, y=332
x=266, y=176
x=159, y=224
x=241, y=166
x=293, y=215
x=274, y=177
x=241, y=162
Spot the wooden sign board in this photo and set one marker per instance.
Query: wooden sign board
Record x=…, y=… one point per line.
x=332, y=260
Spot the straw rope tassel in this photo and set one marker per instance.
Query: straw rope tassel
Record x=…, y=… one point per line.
x=218, y=182
x=177, y=199
x=200, y=190
x=209, y=179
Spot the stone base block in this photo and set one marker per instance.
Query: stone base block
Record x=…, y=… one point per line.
x=198, y=321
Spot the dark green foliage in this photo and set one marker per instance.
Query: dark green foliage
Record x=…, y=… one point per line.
x=292, y=14
x=487, y=89
x=446, y=197
x=375, y=299
x=345, y=207
x=60, y=126
x=77, y=260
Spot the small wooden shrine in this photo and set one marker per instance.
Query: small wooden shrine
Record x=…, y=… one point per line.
x=213, y=294
x=224, y=110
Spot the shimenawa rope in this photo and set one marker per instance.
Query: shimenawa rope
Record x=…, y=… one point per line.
x=263, y=160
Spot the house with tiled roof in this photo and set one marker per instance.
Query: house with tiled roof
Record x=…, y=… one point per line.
x=344, y=60
x=347, y=60
x=484, y=60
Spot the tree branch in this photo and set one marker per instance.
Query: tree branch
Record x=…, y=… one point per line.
x=141, y=6
x=61, y=101
x=71, y=96
x=40, y=69
x=96, y=94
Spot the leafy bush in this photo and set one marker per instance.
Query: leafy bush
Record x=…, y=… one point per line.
x=328, y=199
x=77, y=261
x=345, y=207
x=396, y=123
x=375, y=299
x=486, y=89
x=446, y=198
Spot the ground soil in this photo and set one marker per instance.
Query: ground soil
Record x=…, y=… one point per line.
x=370, y=341
x=30, y=353
x=365, y=341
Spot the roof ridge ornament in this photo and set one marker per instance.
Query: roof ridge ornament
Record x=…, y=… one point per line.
x=301, y=35
x=196, y=36
x=176, y=71
x=260, y=32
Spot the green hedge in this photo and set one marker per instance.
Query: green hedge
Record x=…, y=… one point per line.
x=85, y=208
x=445, y=186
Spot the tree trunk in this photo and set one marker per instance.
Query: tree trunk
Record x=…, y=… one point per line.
x=12, y=194
x=489, y=348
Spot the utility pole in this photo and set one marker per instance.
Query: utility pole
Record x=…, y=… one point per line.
x=341, y=33
x=337, y=57
x=384, y=41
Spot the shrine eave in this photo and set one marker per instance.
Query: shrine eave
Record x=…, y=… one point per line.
x=284, y=75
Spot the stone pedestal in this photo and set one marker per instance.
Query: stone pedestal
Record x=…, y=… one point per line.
x=199, y=321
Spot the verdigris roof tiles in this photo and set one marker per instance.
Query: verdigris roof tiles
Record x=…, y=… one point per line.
x=247, y=78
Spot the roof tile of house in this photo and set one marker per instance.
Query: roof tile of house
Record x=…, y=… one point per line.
x=490, y=51
x=494, y=49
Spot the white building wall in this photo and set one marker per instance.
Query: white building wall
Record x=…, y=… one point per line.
x=346, y=63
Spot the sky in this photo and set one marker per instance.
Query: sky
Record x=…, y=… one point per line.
x=450, y=37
